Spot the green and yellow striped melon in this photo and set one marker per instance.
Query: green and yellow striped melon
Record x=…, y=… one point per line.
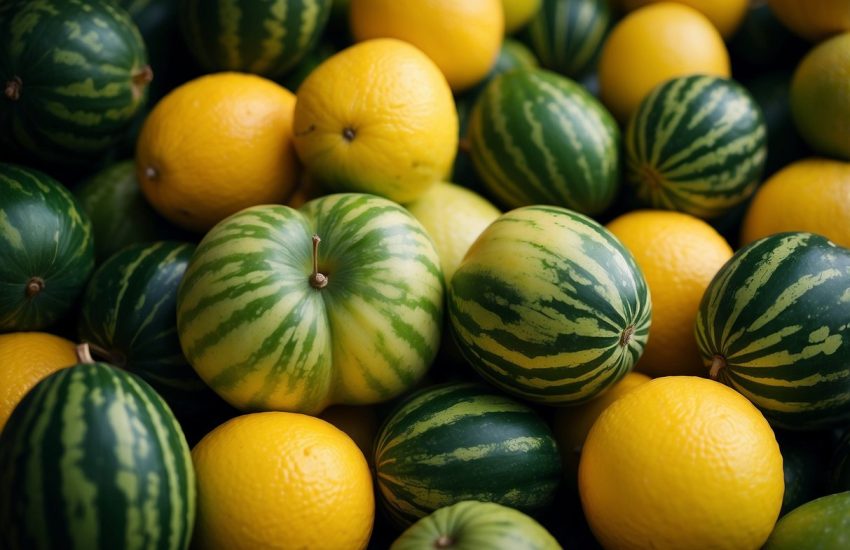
x=696, y=144
x=454, y=442
x=537, y=137
x=255, y=36
x=476, y=525
x=549, y=306
x=272, y=320
x=73, y=74
x=46, y=249
x=92, y=458
x=567, y=35
x=774, y=324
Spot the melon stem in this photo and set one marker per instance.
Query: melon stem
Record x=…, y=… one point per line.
x=444, y=541
x=87, y=351
x=317, y=280
x=34, y=286
x=13, y=87
x=717, y=364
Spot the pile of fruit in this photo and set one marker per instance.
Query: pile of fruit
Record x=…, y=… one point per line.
x=487, y=274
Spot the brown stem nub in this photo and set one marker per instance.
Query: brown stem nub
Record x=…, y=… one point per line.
x=444, y=541
x=717, y=364
x=140, y=79
x=626, y=335
x=349, y=133
x=34, y=286
x=13, y=88
x=464, y=146
x=90, y=350
x=317, y=280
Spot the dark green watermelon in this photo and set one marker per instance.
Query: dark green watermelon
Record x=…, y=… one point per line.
x=74, y=74
x=46, y=249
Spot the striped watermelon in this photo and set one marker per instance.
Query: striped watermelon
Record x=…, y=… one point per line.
x=46, y=249
x=549, y=306
x=696, y=144
x=455, y=442
x=775, y=325
x=92, y=458
x=129, y=315
x=119, y=212
x=539, y=138
x=74, y=73
x=476, y=525
x=256, y=36
x=269, y=329
x=567, y=35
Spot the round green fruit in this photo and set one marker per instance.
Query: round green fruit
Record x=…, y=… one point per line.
x=822, y=524
x=549, y=306
x=339, y=302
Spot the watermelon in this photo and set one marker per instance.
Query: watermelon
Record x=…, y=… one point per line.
x=129, y=317
x=822, y=524
x=273, y=320
x=46, y=249
x=537, y=137
x=839, y=466
x=473, y=524
x=549, y=306
x=93, y=458
x=119, y=212
x=774, y=324
x=255, y=36
x=459, y=441
x=696, y=144
x=567, y=35
x=803, y=457
x=74, y=74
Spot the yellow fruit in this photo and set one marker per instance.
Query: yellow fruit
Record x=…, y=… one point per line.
x=679, y=255
x=726, y=15
x=453, y=216
x=518, y=13
x=379, y=118
x=25, y=359
x=216, y=145
x=462, y=38
x=359, y=422
x=281, y=480
x=820, y=97
x=681, y=462
x=808, y=195
x=572, y=424
x=654, y=44
x=813, y=20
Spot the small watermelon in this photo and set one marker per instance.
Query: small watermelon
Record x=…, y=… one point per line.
x=822, y=524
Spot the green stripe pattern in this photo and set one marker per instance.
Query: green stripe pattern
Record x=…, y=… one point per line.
x=46, y=249
x=265, y=37
x=93, y=459
x=455, y=442
x=81, y=72
x=549, y=306
x=473, y=524
x=537, y=137
x=264, y=338
x=130, y=312
x=696, y=144
x=567, y=35
x=775, y=325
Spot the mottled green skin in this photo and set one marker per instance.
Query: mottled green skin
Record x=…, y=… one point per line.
x=93, y=459
x=537, y=137
x=475, y=525
x=696, y=144
x=567, y=35
x=822, y=524
x=257, y=36
x=264, y=338
x=76, y=61
x=458, y=441
x=778, y=314
x=44, y=234
x=129, y=310
x=549, y=306
x=119, y=212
